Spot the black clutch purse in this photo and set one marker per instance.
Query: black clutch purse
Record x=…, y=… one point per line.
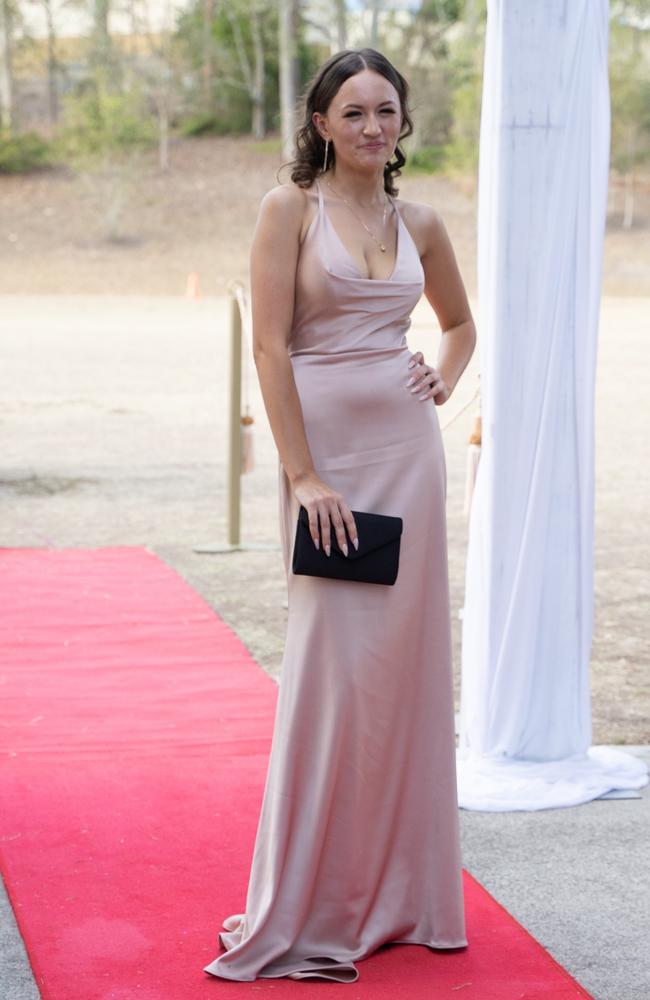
x=375, y=561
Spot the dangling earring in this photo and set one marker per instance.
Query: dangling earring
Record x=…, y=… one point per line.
x=327, y=143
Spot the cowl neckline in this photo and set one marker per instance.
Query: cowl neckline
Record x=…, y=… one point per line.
x=328, y=222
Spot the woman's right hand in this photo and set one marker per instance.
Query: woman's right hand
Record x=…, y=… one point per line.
x=324, y=504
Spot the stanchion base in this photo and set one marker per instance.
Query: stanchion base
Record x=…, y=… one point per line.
x=208, y=549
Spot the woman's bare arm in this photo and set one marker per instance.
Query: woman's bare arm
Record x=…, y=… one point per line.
x=445, y=291
x=273, y=263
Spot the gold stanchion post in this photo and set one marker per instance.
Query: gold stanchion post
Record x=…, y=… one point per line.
x=234, y=449
x=234, y=544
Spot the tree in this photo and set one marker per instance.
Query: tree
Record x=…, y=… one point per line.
x=52, y=63
x=153, y=68
x=341, y=14
x=101, y=50
x=251, y=61
x=629, y=75
x=441, y=47
x=102, y=135
x=289, y=15
x=208, y=61
x=7, y=17
x=375, y=6
x=233, y=83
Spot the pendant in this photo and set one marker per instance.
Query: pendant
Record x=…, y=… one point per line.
x=382, y=248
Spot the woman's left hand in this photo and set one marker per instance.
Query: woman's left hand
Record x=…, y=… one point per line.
x=427, y=381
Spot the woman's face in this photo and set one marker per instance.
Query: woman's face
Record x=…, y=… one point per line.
x=363, y=120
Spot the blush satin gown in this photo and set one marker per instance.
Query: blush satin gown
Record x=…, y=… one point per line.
x=358, y=837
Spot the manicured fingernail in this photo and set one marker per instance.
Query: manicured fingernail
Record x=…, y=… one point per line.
x=355, y=542
x=317, y=543
x=344, y=548
x=411, y=380
x=416, y=389
x=423, y=396
x=411, y=363
x=328, y=549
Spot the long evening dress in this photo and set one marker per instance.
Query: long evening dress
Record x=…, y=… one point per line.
x=358, y=837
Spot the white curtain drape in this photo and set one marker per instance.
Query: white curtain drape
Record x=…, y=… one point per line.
x=525, y=720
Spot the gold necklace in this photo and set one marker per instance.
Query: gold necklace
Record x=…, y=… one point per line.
x=381, y=245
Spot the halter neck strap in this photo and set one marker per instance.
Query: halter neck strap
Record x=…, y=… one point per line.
x=320, y=196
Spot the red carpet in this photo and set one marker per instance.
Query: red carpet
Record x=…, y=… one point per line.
x=134, y=737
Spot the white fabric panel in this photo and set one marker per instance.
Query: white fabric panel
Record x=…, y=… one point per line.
x=525, y=720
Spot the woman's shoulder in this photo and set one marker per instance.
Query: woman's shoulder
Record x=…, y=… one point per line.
x=424, y=222
x=287, y=198
x=418, y=214
x=286, y=208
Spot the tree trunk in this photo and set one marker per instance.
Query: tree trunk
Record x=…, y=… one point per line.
x=257, y=95
x=207, y=70
x=52, y=65
x=101, y=56
x=341, y=25
x=288, y=73
x=628, y=208
x=163, y=133
x=374, y=24
x=6, y=66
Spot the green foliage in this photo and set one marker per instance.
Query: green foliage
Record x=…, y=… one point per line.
x=629, y=82
x=626, y=10
x=461, y=152
x=441, y=52
x=465, y=83
x=103, y=132
x=442, y=10
x=229, y=113
x=425, y=160
x=229, y=107
x=310, y=58
x=202, y=123
x=23, y=152
x=431, y=104
x=99, y=125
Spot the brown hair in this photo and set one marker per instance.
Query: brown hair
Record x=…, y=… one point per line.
x=310, y=146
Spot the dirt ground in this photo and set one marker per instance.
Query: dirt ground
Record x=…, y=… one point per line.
x=198, y=217
x=113, y=396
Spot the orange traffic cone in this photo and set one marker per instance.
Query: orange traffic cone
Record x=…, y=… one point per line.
x=192, y=290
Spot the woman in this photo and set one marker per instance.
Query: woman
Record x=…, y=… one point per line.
x=358, y=840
